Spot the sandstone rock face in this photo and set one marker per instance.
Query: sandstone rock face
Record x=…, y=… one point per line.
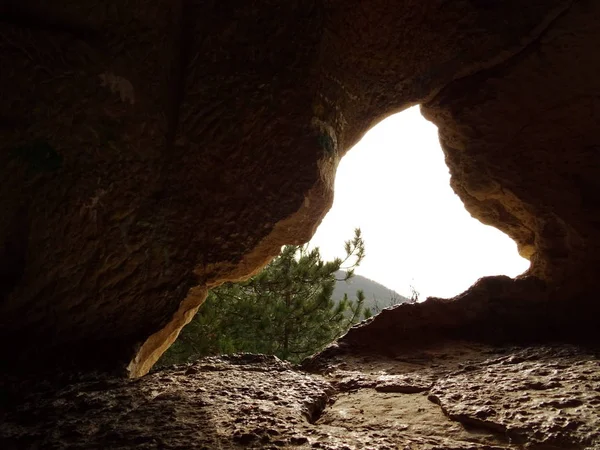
x=451, y=396
x=521, y=144
x=151, y=150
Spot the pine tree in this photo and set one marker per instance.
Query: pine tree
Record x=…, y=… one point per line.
x=286, y=310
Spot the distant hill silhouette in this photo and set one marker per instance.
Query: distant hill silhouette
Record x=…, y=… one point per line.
x=377, y=296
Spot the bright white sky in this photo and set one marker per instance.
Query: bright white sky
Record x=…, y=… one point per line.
x=395, y=186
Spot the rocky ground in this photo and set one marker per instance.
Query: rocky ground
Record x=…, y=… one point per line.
x=456, y=395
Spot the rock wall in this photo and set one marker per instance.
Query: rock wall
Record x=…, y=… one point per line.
x=520, y=140
x=151, y=150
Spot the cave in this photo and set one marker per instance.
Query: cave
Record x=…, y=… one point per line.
x=154, y=149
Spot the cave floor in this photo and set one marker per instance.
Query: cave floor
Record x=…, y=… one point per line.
x=453, y=395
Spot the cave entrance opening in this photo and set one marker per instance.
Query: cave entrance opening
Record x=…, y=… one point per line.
x=394, y=184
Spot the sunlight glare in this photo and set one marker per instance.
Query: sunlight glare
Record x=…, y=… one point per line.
x=394, y=185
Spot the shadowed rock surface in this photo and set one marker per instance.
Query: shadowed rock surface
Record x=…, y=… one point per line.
x=153, y=149
x=540, y=397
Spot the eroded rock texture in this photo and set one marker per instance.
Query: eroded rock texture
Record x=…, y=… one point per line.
x=534, y=118
x=151, y=150
x=451, y=396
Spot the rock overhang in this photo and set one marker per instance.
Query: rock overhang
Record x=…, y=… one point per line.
x=153, y=151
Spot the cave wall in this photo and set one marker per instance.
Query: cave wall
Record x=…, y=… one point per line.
x=521, y=142
x=151, y=150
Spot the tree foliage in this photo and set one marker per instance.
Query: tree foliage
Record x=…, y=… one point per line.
x=286, y=310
